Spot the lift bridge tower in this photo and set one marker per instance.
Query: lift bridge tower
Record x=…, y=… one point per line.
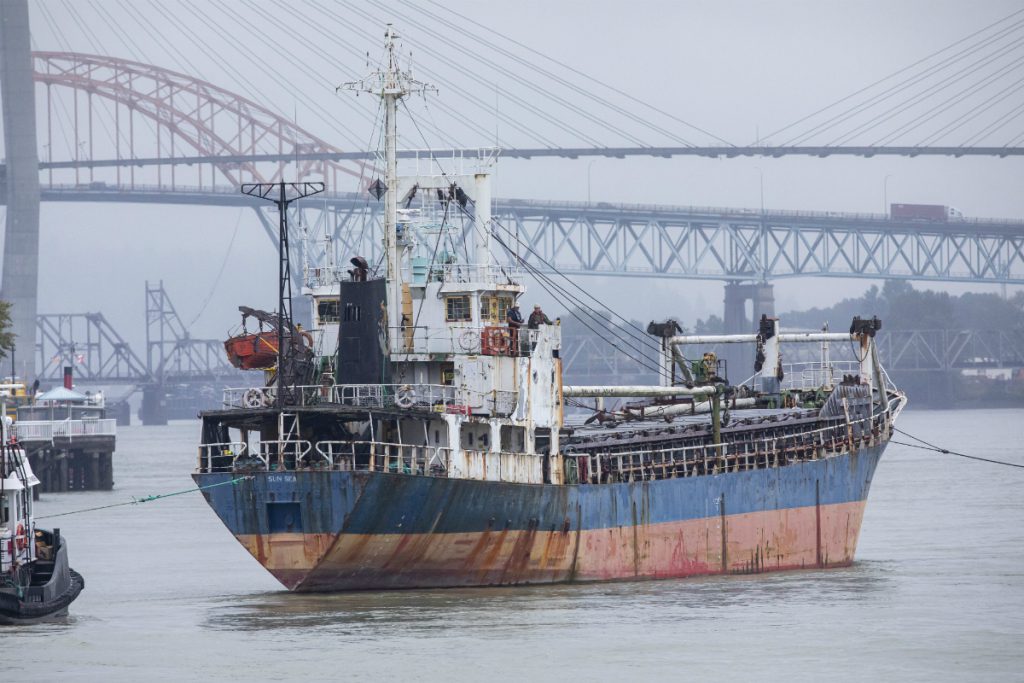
x=185, y=373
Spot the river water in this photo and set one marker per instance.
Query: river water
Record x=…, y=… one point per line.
x=937, y=593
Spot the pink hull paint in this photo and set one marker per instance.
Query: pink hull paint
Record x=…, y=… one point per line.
x=794, y=538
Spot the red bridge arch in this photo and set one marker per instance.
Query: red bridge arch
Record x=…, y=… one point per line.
x=195, y=115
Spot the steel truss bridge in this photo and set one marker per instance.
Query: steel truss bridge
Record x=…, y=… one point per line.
x=652, y=241
x=99, y=354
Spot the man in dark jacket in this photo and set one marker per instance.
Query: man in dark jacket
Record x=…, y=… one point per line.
x=537, y=318
x=515, y=320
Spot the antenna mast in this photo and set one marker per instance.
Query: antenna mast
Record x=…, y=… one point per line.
x=391, y=85
x=283, y=194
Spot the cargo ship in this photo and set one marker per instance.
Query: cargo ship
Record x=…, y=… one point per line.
x=428, y=441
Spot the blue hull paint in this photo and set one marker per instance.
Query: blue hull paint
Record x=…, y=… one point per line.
x=333, y=502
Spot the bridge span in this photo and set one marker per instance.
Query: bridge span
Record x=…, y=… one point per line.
x=663, y=241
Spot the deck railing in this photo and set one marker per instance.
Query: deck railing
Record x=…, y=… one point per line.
x=491, y=339
x=463, y=273
x=426, y=397
x=814, y=375
x=778, y=444
x=646, y=463
x=346, y=456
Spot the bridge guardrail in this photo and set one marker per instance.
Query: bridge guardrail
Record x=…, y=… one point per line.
x=556, y=204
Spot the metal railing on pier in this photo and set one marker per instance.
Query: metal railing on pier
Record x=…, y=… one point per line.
x=28, y=431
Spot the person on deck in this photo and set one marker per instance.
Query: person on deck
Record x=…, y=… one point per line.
x=515, y=320
x=537, y=318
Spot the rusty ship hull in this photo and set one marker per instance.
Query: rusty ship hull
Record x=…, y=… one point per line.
x=330, y=531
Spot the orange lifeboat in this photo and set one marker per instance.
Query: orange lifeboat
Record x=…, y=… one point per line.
x=257, y=351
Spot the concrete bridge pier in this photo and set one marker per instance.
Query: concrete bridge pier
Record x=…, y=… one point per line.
x=740, y=357
x=154, y=405
x=21, y=246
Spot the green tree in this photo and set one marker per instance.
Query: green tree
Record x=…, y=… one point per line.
x=6, y=335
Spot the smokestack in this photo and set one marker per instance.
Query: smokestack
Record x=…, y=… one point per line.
x=67, y=377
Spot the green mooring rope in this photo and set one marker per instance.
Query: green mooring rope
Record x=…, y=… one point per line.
x=147, y=499
x=939, y=449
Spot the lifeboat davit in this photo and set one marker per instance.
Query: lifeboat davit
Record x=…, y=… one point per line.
x=257, y=351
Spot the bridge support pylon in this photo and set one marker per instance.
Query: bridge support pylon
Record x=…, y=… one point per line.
x=21, y=245
x=153, y=411
x=740, y=359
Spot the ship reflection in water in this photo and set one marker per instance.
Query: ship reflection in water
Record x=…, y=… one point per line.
x=502, y=610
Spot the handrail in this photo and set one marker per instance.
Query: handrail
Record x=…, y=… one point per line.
x=814, y=375
x=234, y=449
x=837, y=436
x=426, y=397
x=717, y=456
x=379, y=456
x=47, y=430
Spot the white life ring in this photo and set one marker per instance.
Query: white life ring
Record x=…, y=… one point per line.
x=468, y=340
x=406, y=397
x=254, y=398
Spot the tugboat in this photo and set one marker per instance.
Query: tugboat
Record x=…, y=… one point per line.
x=429, y=443
x=36, y=582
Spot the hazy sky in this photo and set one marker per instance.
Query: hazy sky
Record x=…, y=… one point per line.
x=736, y=69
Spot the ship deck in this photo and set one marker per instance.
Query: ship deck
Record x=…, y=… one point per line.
x=253, y=417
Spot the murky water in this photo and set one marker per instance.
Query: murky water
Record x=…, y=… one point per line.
x=937, y=593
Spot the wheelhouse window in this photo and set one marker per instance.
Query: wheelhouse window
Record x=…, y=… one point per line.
x=494, y=308
x=352, y=313
x=327, y=311
x=457, y=308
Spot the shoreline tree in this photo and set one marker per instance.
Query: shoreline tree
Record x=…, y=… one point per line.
x=6, y=335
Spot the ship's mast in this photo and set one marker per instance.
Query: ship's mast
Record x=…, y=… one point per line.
x=391, y=85
x=391, y=92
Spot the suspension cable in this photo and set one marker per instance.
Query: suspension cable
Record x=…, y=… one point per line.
x=894, y=74
x=568, y=67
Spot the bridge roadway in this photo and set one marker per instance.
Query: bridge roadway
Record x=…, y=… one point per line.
x=659, y=241
x=722, y=151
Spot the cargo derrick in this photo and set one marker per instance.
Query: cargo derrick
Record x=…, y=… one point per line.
x=431, y=445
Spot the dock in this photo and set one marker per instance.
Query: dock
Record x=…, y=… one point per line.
x=70, y=455
x=68, y=438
